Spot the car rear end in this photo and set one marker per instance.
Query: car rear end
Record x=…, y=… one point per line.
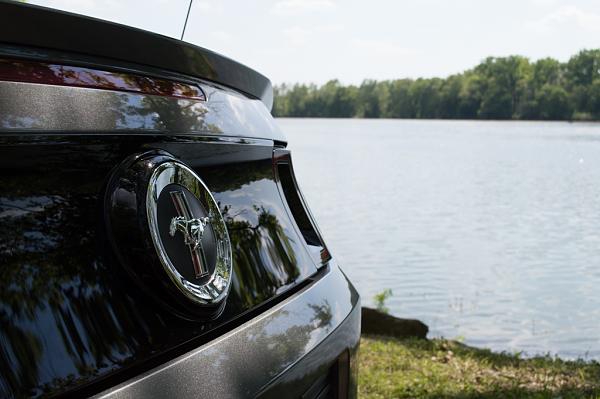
x=90, y=112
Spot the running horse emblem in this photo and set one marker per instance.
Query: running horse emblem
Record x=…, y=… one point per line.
x=192, y=230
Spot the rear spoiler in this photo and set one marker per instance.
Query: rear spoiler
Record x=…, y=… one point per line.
x=62, y=32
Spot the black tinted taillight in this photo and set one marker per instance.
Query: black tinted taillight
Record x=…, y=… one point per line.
x=297, y=207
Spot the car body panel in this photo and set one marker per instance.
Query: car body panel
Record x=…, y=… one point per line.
x=74, y=320
x=29, y=107
x=78, y=315
x=306, y=332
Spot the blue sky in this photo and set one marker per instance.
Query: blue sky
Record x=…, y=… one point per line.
x=318, y=40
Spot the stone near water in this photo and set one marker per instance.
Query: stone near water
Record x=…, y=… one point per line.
x=379, y=323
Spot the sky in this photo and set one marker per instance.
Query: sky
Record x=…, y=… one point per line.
x=318, y=40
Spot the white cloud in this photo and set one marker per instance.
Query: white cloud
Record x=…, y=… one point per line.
x=221, y=35
x=565, y=16
x=299, y=36
x=295, y=7
x=381, y=48
x=210, y=9
x=544, y=2
x=202, y=5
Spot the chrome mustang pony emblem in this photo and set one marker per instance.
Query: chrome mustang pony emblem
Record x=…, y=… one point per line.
x=192, y=230
x=181, y=210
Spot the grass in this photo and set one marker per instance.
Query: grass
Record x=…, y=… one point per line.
x=392, y=368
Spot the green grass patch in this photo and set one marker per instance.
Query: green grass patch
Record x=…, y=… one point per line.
x=392, y=368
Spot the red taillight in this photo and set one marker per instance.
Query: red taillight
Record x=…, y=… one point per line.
x=65, y=75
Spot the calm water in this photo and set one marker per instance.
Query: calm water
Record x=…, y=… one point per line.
x=488, y=231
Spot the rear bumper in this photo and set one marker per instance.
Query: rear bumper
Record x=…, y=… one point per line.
x=305, y=345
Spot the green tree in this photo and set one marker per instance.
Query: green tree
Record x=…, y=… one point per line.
x=594, y=100
x=584, y=67
x=546, y=71
x=450, y=97
x=582, y=70
x=368, y=104
x=553, y=103
x=337, y=100
x=498, y=88
x=400, y=104
x=504, y=82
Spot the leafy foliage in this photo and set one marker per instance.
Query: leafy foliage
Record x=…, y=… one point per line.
x=498, y=88
x=380, y=299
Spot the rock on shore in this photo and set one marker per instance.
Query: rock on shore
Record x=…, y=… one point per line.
x=379, y=323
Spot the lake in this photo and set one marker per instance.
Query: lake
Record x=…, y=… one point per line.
x=487, y=231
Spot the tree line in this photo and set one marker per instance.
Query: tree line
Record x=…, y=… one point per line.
x=498, y=88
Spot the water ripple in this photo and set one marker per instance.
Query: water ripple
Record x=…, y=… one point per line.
x=485, y=230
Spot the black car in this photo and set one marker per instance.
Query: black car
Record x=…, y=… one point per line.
x=153, y=240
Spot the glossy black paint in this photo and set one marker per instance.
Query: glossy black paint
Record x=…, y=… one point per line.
x=298, y=207
x=70, y=313
x=80, y=308
x=36, y=27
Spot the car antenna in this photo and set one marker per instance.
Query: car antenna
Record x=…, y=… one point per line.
x=186, y=18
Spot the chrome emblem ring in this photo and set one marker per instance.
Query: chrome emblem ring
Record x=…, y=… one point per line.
x=189, y=233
